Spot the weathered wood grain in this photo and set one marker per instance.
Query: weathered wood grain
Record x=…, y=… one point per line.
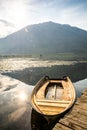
x=76, y=118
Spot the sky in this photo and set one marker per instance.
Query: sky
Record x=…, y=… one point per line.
x=16, y=14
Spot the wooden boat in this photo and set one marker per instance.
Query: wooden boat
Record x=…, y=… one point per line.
x=53, y=96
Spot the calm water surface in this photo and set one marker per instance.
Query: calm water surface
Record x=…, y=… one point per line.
x=16, y=112
x=30, y=70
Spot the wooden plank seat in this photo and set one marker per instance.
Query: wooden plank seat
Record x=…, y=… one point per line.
x=52, y=103
x=56, y=101
x=53, y=96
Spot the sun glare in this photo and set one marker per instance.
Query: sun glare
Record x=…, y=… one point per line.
x=18, y=13
x=22, y=96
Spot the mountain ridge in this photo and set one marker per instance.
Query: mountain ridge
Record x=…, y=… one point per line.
x=45, y=38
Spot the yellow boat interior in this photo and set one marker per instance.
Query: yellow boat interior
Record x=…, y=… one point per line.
x=54, y=97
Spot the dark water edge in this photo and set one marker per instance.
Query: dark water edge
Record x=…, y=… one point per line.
x=31, y=76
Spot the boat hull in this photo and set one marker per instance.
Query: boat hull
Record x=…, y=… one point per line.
x=53, y=96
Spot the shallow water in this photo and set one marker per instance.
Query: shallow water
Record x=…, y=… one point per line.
x=17, y=64
x=30, y=70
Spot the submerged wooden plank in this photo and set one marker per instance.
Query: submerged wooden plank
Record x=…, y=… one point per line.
x=76, y=118
x=74, y=123
x=85, y=92
x=61, y=127
x=80, y=105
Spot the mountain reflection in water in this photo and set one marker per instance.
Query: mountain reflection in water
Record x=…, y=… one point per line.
x=15, y=64
x=16, y=112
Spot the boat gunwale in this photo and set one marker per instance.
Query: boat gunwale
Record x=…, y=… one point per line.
x=40, y=83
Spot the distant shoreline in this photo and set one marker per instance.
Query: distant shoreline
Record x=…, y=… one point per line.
x=66, y=56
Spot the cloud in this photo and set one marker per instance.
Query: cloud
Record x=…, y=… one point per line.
x=6, y=28
x=16, y=14
x=6, y=23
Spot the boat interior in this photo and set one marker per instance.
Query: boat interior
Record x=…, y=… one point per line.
x=53, y=97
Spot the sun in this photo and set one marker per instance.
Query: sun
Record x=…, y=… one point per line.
x=18, y=13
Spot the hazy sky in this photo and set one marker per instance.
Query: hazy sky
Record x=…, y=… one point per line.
x=15, y=14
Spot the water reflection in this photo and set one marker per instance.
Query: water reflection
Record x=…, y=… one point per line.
x=13, y=64
x=40, y=122
x=16, y=112
x=23, y=96
x=37, y=120
x=15, y=107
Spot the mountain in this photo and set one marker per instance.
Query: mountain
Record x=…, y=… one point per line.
x=45, y=38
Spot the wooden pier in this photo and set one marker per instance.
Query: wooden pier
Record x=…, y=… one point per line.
x=76, y=119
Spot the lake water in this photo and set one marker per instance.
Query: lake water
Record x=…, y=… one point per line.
x=14, y=64
x=16, y=112
x=30, y=70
